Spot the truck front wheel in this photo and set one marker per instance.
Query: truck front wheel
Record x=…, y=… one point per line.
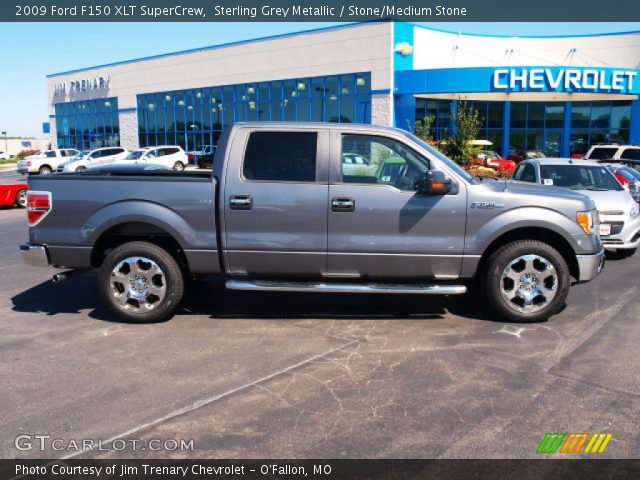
x=141, y=282
x=527, y=281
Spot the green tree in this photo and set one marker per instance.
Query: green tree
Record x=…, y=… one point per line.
x=421, y=128
x=459, y=147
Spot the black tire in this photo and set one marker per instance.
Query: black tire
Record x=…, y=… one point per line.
x=171, y=275
x=21, y=198
x=626, y=252
x=80, y=169
x=178, y=166
x=502, y=258
x=45, y=170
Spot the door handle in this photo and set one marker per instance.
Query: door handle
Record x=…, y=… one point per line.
x=241, y=202
x=343, y=204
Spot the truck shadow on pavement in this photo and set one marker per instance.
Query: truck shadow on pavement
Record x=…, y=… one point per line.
x=209, y=297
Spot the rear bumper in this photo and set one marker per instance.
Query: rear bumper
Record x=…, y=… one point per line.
x=35, y=255
x=590, y=265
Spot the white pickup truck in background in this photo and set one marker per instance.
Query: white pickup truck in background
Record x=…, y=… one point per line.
x=46, y=161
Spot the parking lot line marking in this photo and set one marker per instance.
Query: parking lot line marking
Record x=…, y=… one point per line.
x=215, y=398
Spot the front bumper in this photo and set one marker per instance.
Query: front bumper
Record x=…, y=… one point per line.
x=35, y=255
x=628, y=237
x=590, y=265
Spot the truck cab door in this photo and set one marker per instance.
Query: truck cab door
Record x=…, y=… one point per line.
x=275, y=202
x=379, y=226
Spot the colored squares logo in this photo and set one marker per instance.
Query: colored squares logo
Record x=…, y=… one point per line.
x=561, y=442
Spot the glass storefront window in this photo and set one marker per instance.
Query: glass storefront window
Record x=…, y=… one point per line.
x=595, y=123
x=89, y=124
x=536, y=126
x=194, y=118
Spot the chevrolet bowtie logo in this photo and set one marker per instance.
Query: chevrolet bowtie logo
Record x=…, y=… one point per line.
x=574, y=443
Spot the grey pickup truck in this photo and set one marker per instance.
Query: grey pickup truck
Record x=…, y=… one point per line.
x=315, y=208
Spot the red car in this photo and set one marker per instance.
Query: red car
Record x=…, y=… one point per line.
x=13, y=194
x=491, y=159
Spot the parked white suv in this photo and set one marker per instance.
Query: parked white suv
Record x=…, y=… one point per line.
x=90, y=158
x=46, y=161
x=169, y=156
x=4, y=156
x=613, y=152
x=618, y=211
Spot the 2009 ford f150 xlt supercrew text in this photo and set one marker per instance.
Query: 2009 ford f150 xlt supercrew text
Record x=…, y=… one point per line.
x=281, y=212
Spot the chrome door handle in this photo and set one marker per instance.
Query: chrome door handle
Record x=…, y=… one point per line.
x=343, y=204
x=241, y=202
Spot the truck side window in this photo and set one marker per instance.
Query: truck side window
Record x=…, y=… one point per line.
x=381, y=160
x=281, y=157
x=631, y=153
x=603, y=153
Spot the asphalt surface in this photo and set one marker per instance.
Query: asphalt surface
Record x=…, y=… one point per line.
x=255, y=375
x=11, y=176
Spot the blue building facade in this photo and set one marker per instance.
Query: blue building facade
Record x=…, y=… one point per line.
x=556, y=94
x=524, y=100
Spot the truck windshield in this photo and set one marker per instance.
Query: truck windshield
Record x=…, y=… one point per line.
x=579, y=177
x=450, y=163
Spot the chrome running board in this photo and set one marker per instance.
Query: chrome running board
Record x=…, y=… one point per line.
x=415, y=289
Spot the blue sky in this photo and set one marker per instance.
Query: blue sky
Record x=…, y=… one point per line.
x=31, y=51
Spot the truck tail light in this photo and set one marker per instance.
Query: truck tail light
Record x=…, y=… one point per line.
x=28, y=163
x=39, y=204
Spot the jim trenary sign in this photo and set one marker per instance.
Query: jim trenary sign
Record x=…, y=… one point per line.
x=565, y=80
x=82, y=85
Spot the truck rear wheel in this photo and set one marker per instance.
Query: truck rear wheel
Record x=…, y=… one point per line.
x=141, y=282
x=527, y=281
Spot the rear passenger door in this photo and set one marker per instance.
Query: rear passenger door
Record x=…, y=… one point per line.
x=171, y=155
x=275, y=202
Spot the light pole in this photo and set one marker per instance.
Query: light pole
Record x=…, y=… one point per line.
x=6, y=149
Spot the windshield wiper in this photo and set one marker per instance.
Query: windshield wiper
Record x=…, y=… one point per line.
x=597, y=189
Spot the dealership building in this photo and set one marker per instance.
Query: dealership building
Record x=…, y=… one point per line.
x=557, y=94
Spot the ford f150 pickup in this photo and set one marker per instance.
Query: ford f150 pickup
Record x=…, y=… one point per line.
x=281, y=213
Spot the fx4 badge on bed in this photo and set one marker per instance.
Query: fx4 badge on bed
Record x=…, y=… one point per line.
x=574, y=442
x=487, y=205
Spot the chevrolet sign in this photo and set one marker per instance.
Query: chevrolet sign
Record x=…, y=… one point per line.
x=563, y=79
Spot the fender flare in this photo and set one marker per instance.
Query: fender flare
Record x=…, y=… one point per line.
x=140, y=212
x=524, y=217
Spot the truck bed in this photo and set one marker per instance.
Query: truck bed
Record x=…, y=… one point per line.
x=123, y=202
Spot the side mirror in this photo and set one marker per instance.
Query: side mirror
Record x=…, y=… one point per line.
x=434, y=183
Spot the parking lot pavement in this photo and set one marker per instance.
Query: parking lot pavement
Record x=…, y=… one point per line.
x=250, y=375
x=12, y=176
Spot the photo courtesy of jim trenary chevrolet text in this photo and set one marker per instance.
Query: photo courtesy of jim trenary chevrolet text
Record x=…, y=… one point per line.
x=359, y=239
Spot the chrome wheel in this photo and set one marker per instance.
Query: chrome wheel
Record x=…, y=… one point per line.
x=529, y=283
x=138, y=284
x=178, y=166
x=22, y=199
